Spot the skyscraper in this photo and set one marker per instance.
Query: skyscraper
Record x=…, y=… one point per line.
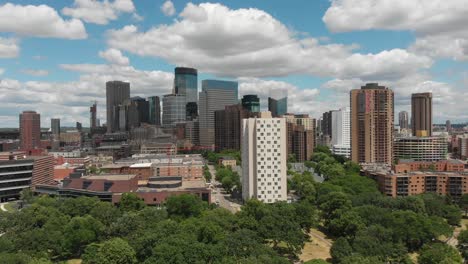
x=403, y=120
x=326, y=124
x=93, y=116
x=448, y=126
x=142, y=108
x=228, y=124
x=55, y=126
x=278, y=107
x=30, y=130
x=186, y=84
x=372, y=124
x=251, y=103
x=154, y=110
x=421, y=113
x=264, y=158
x=341, y=132
x=173, y=109
x=116, y=93
x=215, y=95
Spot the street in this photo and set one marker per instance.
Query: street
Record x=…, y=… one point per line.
x=218, y=195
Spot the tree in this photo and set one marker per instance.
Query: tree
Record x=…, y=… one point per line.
x=207, y=173
x=27, y=196
x=114, y=251
x=346, y=224
x=184, y=206
x=322, y=149
x=333, y=202
x=79, y=232
x=131, y=202
x=227, y=183
x=439, y=253
x=463, y=203
x=340, y=250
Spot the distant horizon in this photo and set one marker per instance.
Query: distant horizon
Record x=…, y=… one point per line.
x=58, y=59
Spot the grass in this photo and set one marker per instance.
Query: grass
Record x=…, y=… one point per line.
x=74, y=261
x=11, y=207
x=317, y=248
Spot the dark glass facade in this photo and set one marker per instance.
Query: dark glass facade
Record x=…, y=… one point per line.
x=154, y=110
x=278, y=107
x=251, y=102
x=186, y=83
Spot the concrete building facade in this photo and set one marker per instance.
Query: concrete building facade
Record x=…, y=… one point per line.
x=264, y=158
x=341, y=132
x=421, y=148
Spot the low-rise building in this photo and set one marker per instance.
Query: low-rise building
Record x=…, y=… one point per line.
x=16, y=175
x=421, y=148
x=395, y=184
x=227, y=161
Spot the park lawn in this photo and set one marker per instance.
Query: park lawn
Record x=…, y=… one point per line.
x=317, y=248
x=74, y=261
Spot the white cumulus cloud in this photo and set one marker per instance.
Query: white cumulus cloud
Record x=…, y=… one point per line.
x=168, y=8
x=114, y=56
x=9, y=48
x=252, y=43
x=439, y=25
x=99, y=12
x=39, y=21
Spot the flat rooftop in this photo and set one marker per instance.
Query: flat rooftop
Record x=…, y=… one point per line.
x=110, y=177
x=186, y=185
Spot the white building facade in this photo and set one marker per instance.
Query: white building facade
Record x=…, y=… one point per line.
x=264, y=157
x=341, y=132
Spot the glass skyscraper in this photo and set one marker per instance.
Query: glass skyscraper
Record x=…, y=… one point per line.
x=278, y=107
x=154, y=110
x=186, y=83
x=215, y=95
x=251, y=102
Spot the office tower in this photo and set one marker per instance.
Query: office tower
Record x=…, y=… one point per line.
x=341, y=132
x=142, y=108
x=372, y=124
x=30, y=130
x=278, y=107
x=93, y=116
x=129, y=115
x=300, y=136
x=327, y=124
x=116, y=93
x=192, y=132
x=173, y=109
x=228, y=124
x=421, y=114
x=55, y=126
x=251, y=103
x=154, y=110
x=403, y=120
x=264, y=158
x=186, y=83
x=448, y=126
x=191, y=110
x=215, y=95
x=98, y=122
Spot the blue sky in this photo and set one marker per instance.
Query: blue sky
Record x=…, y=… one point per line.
x=55, y=56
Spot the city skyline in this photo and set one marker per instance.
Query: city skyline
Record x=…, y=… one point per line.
x=40, y=67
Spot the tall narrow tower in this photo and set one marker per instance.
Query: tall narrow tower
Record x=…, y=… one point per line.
x=30, y=130
x=372, y=124
x=116, y=93
x=421, y=112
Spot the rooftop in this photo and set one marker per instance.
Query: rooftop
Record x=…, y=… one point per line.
x=110, y=177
